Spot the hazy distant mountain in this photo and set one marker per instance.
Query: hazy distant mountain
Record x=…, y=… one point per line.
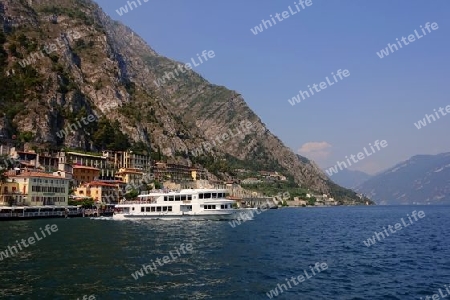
x=349, y=178
x=422, y=179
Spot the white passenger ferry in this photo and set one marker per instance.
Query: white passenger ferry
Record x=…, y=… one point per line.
x=185, y=204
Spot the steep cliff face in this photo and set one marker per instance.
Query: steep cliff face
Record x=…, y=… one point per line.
x=95, y=67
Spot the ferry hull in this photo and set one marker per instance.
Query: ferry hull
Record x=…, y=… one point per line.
x=218, y=217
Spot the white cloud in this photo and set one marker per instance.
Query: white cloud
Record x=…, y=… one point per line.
x=315, y=150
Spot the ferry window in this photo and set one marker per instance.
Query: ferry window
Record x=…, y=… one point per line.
x=189, y=197
x=177, y=198
x=190, y=207
x=183, y=197
x=147, y=209
x=170, y=208
x=207, y=196
x=132, y=208
x=165, y=198
x=214, y=195
x=142, y=209
x=171, y=198
x=200, y=196
x=158, y=208
x=153, y=208
x=164, y=208
x=213, y=207
x=222, y=207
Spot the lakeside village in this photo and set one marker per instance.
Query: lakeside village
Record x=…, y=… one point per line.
x=71, y=183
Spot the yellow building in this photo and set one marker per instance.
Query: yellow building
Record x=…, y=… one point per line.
x=130, y=176
x=101, y=191
x=10, y=194
x=84, y=174
x=42, y=188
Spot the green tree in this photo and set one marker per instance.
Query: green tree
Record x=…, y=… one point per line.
x=131, y=194
x=85, y=203
x=312, y=201
x=110, y=136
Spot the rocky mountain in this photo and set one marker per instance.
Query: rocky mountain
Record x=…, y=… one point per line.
x=350, y=178
x=422, y=179
x=72, y=77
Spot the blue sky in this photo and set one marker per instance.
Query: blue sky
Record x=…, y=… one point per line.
x=380, y=100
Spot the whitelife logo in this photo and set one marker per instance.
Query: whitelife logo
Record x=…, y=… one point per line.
x=165, y=260
x=438, y=296
x=76, y=126
x=360, y=156
x=371, y=241
x=323, y=85
x=431, y=118
x=411, y=38
x=31, y=241
x=124, y=9
x=183, y=68
x=318, y=267
x=284, y=15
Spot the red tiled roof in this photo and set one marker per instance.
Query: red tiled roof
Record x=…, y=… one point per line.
x=85, y=167
x=38, y=174
x=97, y=183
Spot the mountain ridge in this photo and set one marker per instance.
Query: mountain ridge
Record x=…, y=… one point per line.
x=111, y=73
x=421, y=179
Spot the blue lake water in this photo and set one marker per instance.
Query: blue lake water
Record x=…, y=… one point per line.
x=98, y=257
